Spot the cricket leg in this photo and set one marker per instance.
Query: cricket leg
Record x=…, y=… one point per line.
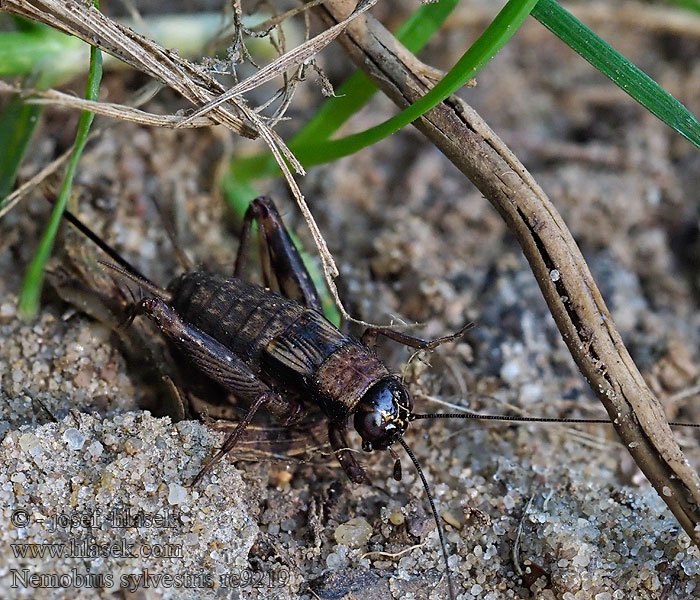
x=232, y=439
x=223, y=366
x=339, y=443
x=282, y=266
x=369, y=338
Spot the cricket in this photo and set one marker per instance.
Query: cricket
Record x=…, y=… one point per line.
x=276, y=352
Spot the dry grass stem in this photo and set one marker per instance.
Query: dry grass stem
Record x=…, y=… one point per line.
x=287, y=61
x=106, y=109
x=28, y=186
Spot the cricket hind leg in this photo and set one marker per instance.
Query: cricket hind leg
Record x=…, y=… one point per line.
x=231, y=441
x=222, y=366
x=282, y=265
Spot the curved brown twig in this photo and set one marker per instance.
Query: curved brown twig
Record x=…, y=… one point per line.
x=573, y=299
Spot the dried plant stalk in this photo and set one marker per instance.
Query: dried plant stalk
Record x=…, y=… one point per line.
x=89, y=24
x=573, y=299
x=106, y=109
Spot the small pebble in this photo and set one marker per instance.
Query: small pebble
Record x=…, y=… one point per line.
x=176, y=494
x=95, y=449
x=7, y=310
x=74, y=438
x=29, y=443
x=355, y=533
x=451, y=519
x=18, y=477
x=333, y=561
x=133, y=446
x=288, y=525
x=510, y=371
x=397, y=518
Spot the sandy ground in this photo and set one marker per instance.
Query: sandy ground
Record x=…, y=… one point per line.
x=529, y=512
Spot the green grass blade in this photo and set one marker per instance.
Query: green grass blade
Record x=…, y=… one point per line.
x=17, y=124
x=618, y=69
x=484, y=48
x=692, y=5
x=358, y=89
x=34, y=277
x=417, y=30
x=30, y=51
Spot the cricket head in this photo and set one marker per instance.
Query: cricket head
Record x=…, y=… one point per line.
x=383, y=414
x=381, y=418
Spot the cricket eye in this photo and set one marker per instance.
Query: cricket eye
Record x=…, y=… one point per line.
x=382, y=414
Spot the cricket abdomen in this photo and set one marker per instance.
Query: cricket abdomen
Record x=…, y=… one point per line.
x=241, y=316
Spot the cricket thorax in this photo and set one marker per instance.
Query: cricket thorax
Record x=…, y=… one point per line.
x=344, y=377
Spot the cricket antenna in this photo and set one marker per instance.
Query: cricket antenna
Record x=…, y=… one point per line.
x=142, y=281
x=478, y=417
x=426, y=487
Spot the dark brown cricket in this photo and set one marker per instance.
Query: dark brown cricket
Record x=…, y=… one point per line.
x=277, y=350
x=269, y=349
x=274, y=351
